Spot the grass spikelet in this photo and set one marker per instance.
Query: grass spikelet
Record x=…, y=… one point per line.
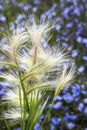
x=33, y=69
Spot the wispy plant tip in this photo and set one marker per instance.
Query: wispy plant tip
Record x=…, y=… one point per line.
x=32, y=70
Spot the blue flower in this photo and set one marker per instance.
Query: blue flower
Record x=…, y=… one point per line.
x=77, y=11
x=2, y=18
x=27, y=7
x=71, y=125
x=57, y=105
x=58, y=27
x=84, y=40
x=81, y=69
x=74, y=53
x=37, y=2
x=85, y=100
x=56, y=120
x=65, y=118
x=66, y=108
x=69, y=25
x=76, y=90
x=52, y=127
x=65, y=89
x=35, y=9
x=68, y=97
x=42, y=117
x=57, y=98
x=84, y=58
x=81, y=107
x=77, y=99
x=1, y=7
x=37, y=126
x=84, y=92
x=2, y=91
x=79, y=39
x=85, y=110
x=71, y=117
x=66, y=11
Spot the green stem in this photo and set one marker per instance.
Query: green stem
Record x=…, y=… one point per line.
x=48, y=112
x=21, y=106
x=44, y=86
x=8, y=127
x=25, y=104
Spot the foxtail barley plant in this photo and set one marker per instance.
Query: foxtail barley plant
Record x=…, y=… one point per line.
x=32, y=69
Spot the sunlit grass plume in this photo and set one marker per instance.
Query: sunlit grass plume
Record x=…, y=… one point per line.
x=31, y=70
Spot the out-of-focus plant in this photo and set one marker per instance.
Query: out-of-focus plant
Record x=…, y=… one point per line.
x=32, y=69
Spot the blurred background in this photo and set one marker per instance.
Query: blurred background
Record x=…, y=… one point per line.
x=69, y=111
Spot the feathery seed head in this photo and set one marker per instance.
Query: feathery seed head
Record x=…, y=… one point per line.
x=13, y=114
x=38, y=69
x=65, y=78
x=38, y=31
x=12, y=96
x=10, y=77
